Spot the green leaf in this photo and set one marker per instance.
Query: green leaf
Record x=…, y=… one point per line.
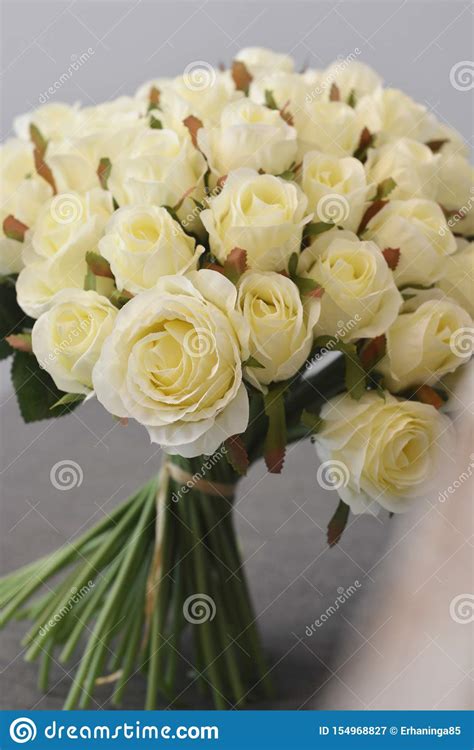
x=119, y=299
x=384, y=188
x=275, y=441
x=270, y=99
x=155, y=123
x=306, y=285
x=98, y=265
x=312, y=230
x=312, y=421
x=355, y=374
x=338, y=523
x=103, y=171
x=352, y=99
x=35, y=390
x=252, y=362
x=12, y=318
x=236, y=454
x=69, y=398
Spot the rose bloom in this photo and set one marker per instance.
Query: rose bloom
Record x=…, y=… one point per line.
x=419, y=229
x=331, y=127
x=249, y=135
x=391, y=114
x=337, y=189
x=411, y=164
x=360, y=295
x=259, y=60
x=351, y=77
x=288, y=89
x=143, y=243
x=281, y=326
x=159, y=167
x=261, y=214
x=23, y=193
x=54, y=120
x=456, y=192
x=382, y=450
x=421, y=343
x=457, y=280
x=68, y=226
x=174, y=360
x=67, y=339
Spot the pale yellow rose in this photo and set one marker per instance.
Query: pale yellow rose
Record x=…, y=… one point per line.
x=55, y=121
x=381, y=450
x=261, y=214
x=281, y=326
x=411, y=164
x=391, y=114
x=174, y=360
x=419, y=229
x=331, y=127
x=455, y=192
x=360, y=297
x=68, y=338
x=259, y=61
x=351, y=78
x=143, y=243
x=457, y=281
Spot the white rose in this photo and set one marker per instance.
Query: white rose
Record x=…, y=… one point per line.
x=259, y=60
x=419, y=229
x=173, y=363
x=360, y=296
x=74, y=161
x=249, y=135
x=68, y=339
x=205, y=89
x=23, y=193
x=382, y=450
x=411, y=164
x=287, y=89
x=158, y=168
x=337, y=189
x=281, y=327
x=420, y=346
x=55, y=121
x=391, y=114
x=143, y=243
x=351, y=77
x=117, y=114
x=456, y=191
x=68, y=226
x=261, y=214
x=331, y=127
x=458, y=276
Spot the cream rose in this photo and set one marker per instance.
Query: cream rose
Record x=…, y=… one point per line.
x=55, y=121
x=174, y=363
x=262, y=214
x=259, y=60
x=281, y=326
x=411, y=164
x=331, y=127
x=456, y=192
x=419, y=229
x=249, y=135
x=68, y=226
x=290, y=89
x=68, y=339
x=382, y=450
x=337, y=189
x=360, y=296
x=391, y=114
x=351, y=77
x=158, y=168
x=458, y=276
x=143, y=243
x=204, y=89
x=421, y=343
x=23, y=193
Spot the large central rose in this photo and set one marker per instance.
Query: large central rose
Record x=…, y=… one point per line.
x=174, y=363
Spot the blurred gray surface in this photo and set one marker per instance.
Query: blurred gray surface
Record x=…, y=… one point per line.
x=281, y=521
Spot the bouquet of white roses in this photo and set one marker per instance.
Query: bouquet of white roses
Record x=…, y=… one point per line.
x=237, y=259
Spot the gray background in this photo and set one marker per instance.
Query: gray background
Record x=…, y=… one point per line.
x=281, y=521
